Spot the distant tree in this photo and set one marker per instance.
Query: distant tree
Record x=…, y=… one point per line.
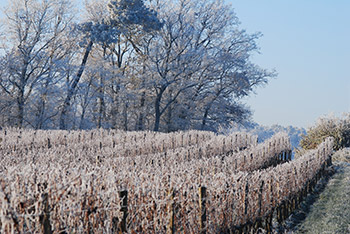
x=265, y=132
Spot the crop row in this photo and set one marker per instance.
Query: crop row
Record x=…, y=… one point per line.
x=121, y=143
x=77, y=192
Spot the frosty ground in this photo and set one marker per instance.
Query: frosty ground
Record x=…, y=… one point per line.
x=328, y=209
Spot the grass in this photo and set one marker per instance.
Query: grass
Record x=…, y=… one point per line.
x=330, y=213
x=327, y=209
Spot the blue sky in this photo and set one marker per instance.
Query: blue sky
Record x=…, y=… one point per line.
x=308, y=43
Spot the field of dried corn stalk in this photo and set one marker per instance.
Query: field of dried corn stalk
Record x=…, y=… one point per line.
x=107, y=181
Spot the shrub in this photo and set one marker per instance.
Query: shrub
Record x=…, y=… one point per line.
x=338, y=128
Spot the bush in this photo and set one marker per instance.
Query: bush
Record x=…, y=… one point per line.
x=338, y=128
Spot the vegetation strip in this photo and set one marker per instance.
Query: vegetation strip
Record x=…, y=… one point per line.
x=331, y=211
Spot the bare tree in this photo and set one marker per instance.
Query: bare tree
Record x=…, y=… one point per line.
x=199, y=56
x=122, y=16
x=122, y=67
x=34, y=33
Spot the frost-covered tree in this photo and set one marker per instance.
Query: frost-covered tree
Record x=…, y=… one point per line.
x=199, y=66
x=129, y=64
x=33, y=48
x=328, y=126
x=123, y=15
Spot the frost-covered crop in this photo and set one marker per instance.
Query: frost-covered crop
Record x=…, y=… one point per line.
x=77, y=181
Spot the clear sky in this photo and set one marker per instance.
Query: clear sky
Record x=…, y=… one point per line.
x=308, y=43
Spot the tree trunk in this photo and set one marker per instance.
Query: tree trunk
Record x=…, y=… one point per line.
x=82, y=117
x=101, y=103
x=125, y=115
x=41, y=113
x=169, y=113
x=204, y=119
x=21, y=94
x=72, y=88
x=139, y=123
x=139, y=126
x=157, y=110
x=169, y=117
x=206, y=112
x=20, y=103
x=114, y=111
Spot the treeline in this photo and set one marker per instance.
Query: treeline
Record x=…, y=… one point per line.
x=150, y=65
